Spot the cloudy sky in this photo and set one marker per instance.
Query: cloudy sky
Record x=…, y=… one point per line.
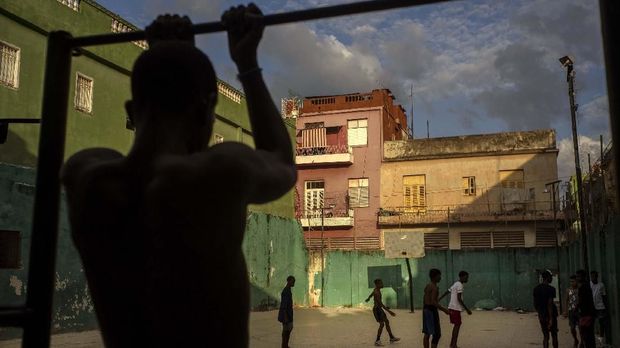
x=475, y=66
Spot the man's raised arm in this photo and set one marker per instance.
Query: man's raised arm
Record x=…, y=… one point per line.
x=245, y=30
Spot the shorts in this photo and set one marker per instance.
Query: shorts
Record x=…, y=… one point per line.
x=455, y=317
x=544, y=325
x=573, y=319
x=430, y=321
x=380, y=316
x=287, y=326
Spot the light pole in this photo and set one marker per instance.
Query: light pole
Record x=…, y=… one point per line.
x=567, y=62
x=331, y=206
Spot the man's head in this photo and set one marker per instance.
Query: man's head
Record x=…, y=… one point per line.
x=546, y=276
x=463, y=277
x=435, y=275
x=378, y=283
x=173, y=84
x=290, y=281
x=582, y=276
x=573, y=281
x=594, y=277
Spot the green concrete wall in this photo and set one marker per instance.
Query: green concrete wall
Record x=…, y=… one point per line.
x=273, y=246
x=504, y=275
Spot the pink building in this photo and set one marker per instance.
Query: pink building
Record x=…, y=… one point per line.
x=339, y=152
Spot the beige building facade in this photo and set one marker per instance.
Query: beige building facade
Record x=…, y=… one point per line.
x=473, y=191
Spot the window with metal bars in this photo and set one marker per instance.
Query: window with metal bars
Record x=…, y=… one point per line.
x=84, y=93
x=469, y=185
x=314, y=197
x=358, y=193
x=9, y=65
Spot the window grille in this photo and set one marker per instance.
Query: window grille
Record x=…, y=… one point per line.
x=84, y=93
x=9, y=65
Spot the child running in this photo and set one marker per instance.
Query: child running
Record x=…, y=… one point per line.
x=457, y=305
x=430, y=314
x=380, y=316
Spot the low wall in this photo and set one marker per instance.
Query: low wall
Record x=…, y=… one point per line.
x=506, y=276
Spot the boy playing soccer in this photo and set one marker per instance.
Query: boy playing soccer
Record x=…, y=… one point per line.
x=457, y=305
x=380, y=316
x=430, y=315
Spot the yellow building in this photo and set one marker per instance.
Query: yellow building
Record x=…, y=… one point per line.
x=473, y=191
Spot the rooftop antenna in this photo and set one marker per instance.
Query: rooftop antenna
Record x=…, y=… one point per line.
x=411, y=114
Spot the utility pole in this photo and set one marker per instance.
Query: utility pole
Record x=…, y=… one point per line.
x=412, y=136
x=567, y=62
x=322, y=256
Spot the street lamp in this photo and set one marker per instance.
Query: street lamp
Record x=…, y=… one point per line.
x=567, y=62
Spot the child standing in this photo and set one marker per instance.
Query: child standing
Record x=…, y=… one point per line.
x=379, y=314
x=457, y=305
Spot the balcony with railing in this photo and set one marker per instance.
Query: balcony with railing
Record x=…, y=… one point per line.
x=460, y=213
x=323, y=146
x=327, y=217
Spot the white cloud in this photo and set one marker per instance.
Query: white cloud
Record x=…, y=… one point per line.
x=566, y=158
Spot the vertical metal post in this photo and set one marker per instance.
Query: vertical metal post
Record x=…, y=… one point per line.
x=47, y=197
x=410, y=285
x=570, y=78
x=610, y=27
x=322, y=257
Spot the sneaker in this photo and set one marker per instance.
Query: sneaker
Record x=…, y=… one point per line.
x=394, y=339
x=378, y=344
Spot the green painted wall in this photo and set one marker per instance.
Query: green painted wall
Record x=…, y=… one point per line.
x=274, y=249
x=25, y=25
x=504, y=275
x=273, y=246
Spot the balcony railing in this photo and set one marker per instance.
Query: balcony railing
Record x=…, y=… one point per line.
x=467, y=213
x=330, y=154
x=332, y=217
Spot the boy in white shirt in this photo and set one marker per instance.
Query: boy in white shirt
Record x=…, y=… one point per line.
x=600, y=297
x=457, y=305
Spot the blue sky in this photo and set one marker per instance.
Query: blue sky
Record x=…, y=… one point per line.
x=475, y=66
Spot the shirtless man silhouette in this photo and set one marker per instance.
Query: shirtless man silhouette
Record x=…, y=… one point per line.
x=160, y=230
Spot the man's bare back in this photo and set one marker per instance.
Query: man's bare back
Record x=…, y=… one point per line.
x=160, y=231
x=431, y=294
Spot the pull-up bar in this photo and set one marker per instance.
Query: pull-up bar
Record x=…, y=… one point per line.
x=273, y=19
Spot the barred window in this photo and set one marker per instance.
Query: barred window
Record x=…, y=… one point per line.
x=84, y=93
x=120, y=27
x=9, y=65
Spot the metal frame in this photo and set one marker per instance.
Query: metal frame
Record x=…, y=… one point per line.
x=35, y=316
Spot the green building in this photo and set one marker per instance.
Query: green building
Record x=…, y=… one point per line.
x=100, y=85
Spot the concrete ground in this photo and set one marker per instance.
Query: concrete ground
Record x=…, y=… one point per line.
x=334, y=327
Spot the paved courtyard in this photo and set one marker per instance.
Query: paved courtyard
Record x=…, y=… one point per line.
x=357, y=328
